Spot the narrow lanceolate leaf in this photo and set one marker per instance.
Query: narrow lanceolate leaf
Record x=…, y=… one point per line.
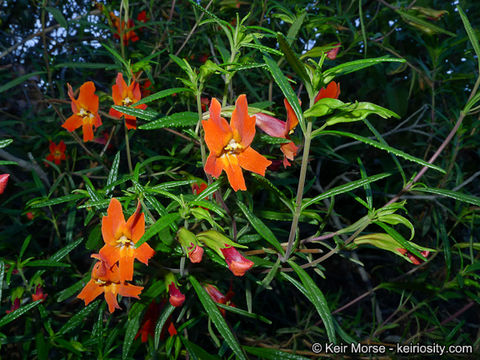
x=292, y=59
x=344, y=188
x=295, y=28
x=400, y=239
x=217, y=318
x=287, y=90
x=213, y=187
x=18, y=80
x=46, y=263
x=424, y=25
x=17, y=313
x=2, y=274
x=148, y=115
x=113, y=174
x=132, y=326
x=159, y=225
x=452, y=194
x=245, y=313
x=169, y=309
x=263, y=48
x=60, y=200
x=272, y=354
x=352, y=66
x=160, y=95
x=316, y=297
x=196, y=352
x=470, y=33
x=260, y=227
x=181, y=119
x=78, y=318
x=380, y=146
x=4, y=143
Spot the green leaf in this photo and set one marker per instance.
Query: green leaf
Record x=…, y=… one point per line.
x=380, y=146
x=316, y=297
x=273, y=140
x=344, y=188
x=60, y=254
x=168, y=310
x=78, y=318
x=471, y=34
x=60, y=200
x=116, y=55
x=195, y=352
x=272, y=354
x=395, y=219
x=287, y=90
x=57, y=14
x=81, y=65
x=424, y=25
x=142, y=114
x=17, y=313
x=66, y=293
x=17, y=81
x=46, y=263
x=172, y=184
x=159, y=225
x=181, y=119
x=132, y=326
x=263, y=48
x=244, y=313
x=352, y=66
x=5, y=162
x=113, y=174
x=5, y=143
x=217, y=318
x=260, y=227
x=295, y=28
x=293, y=60
x=160, y=95
x=470, y=199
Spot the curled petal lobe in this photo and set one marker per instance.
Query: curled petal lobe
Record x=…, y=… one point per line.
x=332, y=91
x=176, y=297
x=236, y=262
x=292, y=120
x=129, y=290
x=195, y=255
x=111, y=299
x=243, y=125
x=289, y=150
x=144, y=253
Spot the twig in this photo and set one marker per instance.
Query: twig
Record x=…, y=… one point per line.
x=26, y=165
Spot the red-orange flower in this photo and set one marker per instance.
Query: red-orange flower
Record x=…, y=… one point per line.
x=176, y=297
x=414, y=259
x=39, y=294
x=3, y=182
x=150, y=320
x=120, y=238
x=229, y=145
x=332, y=91
x=219, y=298
x=85, y=111
x=124, y=95
x=332, y=54
x=57, y=152
x=128, y=35
x=106, y=279
x=278, y=128
x=237, y=263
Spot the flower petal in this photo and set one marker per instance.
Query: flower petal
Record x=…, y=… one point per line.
x=213, y=165
x=270, y=125
x=332, y=91
x=115, y=213
x=143, y=253
x=289, y=150
x=73, y=123
x=111, y=298
x=87, y=132
x=292, y=119
x=110, y=253
x=126, y=267
x=90, y=292
x=251, y=160
x=234, y=171
x=87, y=97
x=129, y=290
x=242, y=124
x=62, y=147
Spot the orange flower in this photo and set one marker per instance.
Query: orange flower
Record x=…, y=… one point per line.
x=229, y=145
x=128, y=35
x=278, y=128
x=57, y=152
x=124, y=95
x=120, y=238
x=39, y=294
x=332, y=91
x=3, y=182
x=219, y=298
x=85, y=111
x=107, y=280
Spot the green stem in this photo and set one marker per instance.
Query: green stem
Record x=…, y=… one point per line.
x=197, y=129
x=301, y=185
x=127, y=145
